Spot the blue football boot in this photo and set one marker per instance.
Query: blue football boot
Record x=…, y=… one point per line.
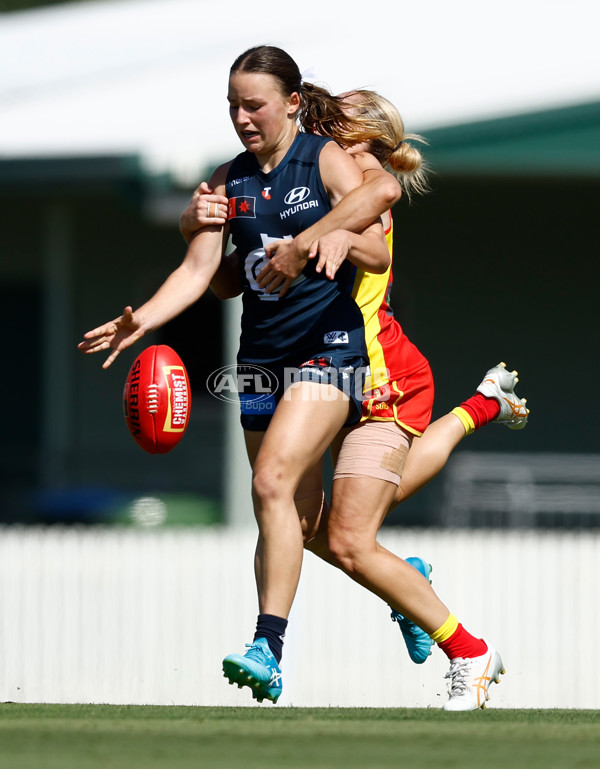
x=418, y=643
x=257, y=668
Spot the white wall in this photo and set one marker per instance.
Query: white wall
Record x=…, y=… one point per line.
x=145, y=616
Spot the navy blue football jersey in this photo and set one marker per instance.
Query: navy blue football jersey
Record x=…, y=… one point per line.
x=280, y=204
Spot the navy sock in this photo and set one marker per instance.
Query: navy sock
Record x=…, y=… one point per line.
x=273, y=629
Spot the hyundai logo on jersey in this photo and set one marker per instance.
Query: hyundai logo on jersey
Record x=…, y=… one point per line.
x=297, y=195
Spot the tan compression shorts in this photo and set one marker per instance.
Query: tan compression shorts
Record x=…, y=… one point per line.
x=374, y=449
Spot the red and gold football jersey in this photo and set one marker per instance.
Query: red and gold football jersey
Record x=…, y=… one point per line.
x=392, y=355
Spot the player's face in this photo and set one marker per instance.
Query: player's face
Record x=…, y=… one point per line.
x=350, y=110
x=262, y=117
x=349, y=100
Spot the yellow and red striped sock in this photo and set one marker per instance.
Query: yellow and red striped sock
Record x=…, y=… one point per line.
x=476, y=411
x=455, y=641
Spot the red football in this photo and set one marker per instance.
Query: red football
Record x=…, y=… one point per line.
x=157, y=399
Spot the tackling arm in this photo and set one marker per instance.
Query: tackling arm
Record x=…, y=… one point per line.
x=359, y=199
x=361, y=206
x=335, y=236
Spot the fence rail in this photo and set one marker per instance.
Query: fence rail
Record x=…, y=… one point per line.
x=522, y=490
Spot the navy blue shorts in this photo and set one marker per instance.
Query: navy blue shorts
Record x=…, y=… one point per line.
x=261, y=386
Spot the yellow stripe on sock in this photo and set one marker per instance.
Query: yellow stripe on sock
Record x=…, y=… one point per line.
x=465, y=418
x=448, y=628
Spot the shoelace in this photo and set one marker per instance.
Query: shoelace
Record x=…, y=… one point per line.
x=458, y=673
x=407, y=625
x=255, y=652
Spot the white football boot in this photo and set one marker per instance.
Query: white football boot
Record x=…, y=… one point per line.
x=499, y=383
x=470, y=679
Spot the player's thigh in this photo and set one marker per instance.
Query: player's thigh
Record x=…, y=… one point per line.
x=337, y=443
x=358, y=506
x=305, y=422
x=368, y=470
x=309, y=496
x=376, y=449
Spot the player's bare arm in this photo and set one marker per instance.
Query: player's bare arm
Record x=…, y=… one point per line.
x=227, y=280
x=205, y=208
x=368, y=251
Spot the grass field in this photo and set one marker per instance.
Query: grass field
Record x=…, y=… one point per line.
x=86, y=736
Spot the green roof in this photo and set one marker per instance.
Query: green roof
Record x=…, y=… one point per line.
x=557, y=142
x=76, y=173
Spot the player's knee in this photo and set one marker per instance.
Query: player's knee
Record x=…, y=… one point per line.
x=264, y=487
x=346, y=549
x=269, y=484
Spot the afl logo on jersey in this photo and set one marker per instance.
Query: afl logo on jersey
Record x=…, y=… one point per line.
x=297, y=195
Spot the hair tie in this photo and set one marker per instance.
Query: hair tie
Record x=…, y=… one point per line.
x=397, y=147
x=308, y=74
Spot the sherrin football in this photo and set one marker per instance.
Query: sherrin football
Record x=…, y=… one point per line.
x=157, y=399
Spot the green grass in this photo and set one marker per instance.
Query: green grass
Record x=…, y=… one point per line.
x=106, y=737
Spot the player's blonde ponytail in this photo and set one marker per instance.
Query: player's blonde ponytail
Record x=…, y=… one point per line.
x=394, y=148
x=365, y=116
x=407, y=163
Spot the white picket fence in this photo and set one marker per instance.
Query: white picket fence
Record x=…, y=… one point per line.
x=145, y=616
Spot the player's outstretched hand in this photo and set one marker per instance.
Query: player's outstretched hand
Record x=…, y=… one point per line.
x=119, y=334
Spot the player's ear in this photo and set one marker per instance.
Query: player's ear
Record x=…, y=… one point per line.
x=294, y=103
